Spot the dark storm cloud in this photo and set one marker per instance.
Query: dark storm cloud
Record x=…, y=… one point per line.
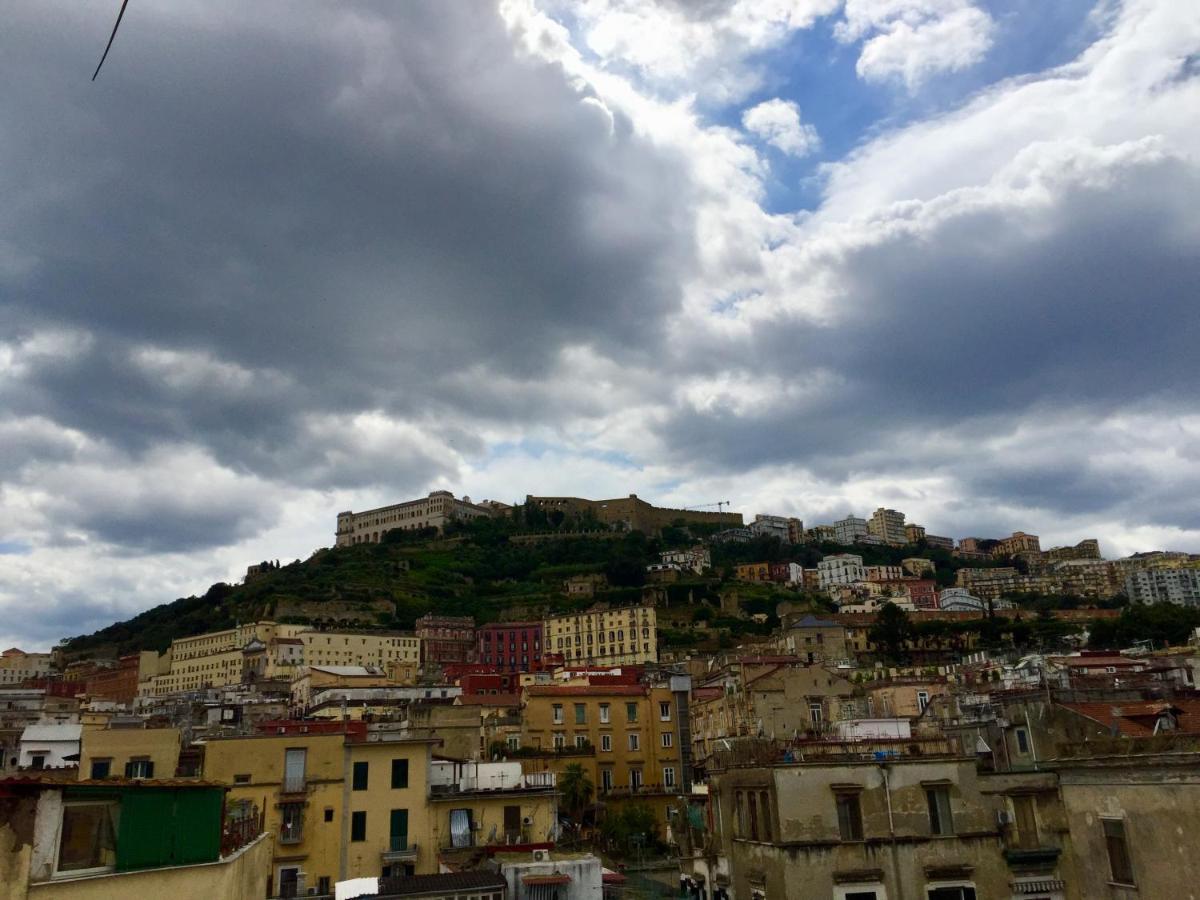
x=992, y=318
x=364, y=205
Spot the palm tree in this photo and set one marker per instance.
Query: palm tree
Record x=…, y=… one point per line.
x=576, y=789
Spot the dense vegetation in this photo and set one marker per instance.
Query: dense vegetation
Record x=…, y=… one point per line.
x=479, y=569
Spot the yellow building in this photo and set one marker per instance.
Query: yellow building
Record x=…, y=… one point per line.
x=627, y=737
x=388, y=830
x=753, y=572
x=129, y=752
x=487, y=804
x=604, y=637
x=296, y=780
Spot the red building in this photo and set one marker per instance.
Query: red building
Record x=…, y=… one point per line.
x=446, y=639
x=119, y=683
x=476, y=684
x=510, y=646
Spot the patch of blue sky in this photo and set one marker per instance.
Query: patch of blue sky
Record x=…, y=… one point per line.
x=819, y=74
x=15, y=548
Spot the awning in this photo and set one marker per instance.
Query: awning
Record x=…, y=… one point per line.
x=533, y=880
x=608, y=876
x=1038, y=887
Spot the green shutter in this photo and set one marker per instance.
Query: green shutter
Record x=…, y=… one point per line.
x=197, y=825
x=399, y=773
x=399, y=826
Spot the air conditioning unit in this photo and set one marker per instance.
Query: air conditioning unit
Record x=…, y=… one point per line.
x=541, y=856
x=1003, y=818
x=528, y=820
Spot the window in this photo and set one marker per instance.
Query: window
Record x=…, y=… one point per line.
x=139, y=768
x=849, y=813
x=580, y=714
x=668, y=776
x=581, y=741
x=874, y=893
x=1022, y=741
x=88, y=840
x=291, y=823
x=604, y=714
x=606, y=779
x=560, y=741
x=668, y=739
x=606, y=743
x=664, y=711
x=753, y=798
x=631, y=712
x=635, y=779
x=358, y=826
x=938, y=800
x=558, y=714
x=329, y=814
x=1119, y=864
x=634, y=742
x=101, y=768
x=1025, y=836
x=399, y=774
x=815, y=713
x=361, y=776
x=954, y=892
x=293, y=771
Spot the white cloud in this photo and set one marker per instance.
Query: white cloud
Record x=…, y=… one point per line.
x=778, y=123
x=911, y=40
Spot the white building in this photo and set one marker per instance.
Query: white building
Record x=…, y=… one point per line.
x=849, y=530
x=50, y=746
x=840, y=568
x=788, y=530
x=697, y=559
x=1180, y=586
x=545, y=874
x=957, y=599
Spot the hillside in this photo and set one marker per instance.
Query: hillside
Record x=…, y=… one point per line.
x=484, y=569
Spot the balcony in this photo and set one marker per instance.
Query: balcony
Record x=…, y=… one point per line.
x=400, y=849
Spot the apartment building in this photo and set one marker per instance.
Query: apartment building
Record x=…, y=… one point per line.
x=695, y=560
x=630, y=737
x=510, y=646
x=850, y=530
x=434, y=511
x=939, y=542
x=913, y=533
x=1018, y=544
x=268, y=650
x=1181, y=586
x=446, y=640
x=787, y=529
x=354, y=648
x=129, y=750
x=604, y=637
x=840, y=568
x=888, y=526
x=16, y=666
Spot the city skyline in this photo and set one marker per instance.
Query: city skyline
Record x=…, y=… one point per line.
x=813, y=258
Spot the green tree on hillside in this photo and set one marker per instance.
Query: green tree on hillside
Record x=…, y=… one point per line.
x=892, y=632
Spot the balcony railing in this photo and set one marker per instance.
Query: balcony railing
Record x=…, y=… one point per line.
x=291, y=833
x=238, y=831
x=399, y=849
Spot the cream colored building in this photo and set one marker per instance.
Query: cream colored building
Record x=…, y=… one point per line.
x=269, y=650
x=888, y=526
x=16, y=666
x=360, y=649
x=608, y=637
x=433, y=511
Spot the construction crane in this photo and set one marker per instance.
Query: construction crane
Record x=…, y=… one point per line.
x=720, y=505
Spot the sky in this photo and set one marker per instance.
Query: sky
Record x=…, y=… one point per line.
x=808, y=256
